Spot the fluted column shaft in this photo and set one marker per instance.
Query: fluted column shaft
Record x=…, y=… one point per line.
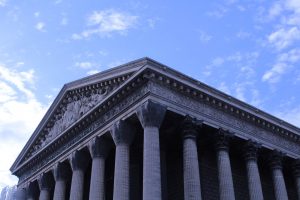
x=78, y=163
x=122, y=134
x=296, y=173
x=45, y=185
x=60, y=190
x=151, y=116
x=97, y=189
x=44, y=194
x=277, y=176
x=99, y=149
x=164, y=180
x=151, y=167
x=121, y=183
x=226, y=188
x=31, y=192
x=191, y=175
x=253, y=178
x=60, y=175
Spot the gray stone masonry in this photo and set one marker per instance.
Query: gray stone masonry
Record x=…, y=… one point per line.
x=60, y=176
x=99, y=149
x=122, y=134
x=253, y=178
x=296, y=172
x=191, y=176
x=45, y=186
x=226, y=188
x=277, y=176
x=79, y=163
x=30, y=192
x=151, y=116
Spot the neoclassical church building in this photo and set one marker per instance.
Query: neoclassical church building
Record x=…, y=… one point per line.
x=143, y=131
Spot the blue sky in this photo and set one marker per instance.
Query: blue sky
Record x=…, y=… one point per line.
x=248, y=49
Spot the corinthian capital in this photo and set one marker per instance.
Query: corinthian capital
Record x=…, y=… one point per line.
x=151, y=114
x=190, y=127
x=250, y=150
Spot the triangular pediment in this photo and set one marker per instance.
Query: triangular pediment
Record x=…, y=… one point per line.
x=94, y=94
x=73, y=101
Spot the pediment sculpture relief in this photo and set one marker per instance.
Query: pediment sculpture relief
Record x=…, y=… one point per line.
x=74, y=107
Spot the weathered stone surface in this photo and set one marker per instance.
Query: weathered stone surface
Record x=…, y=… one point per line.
x=79, y=163
x=122, y=133
x=226, y=188
x=151, y=116
x=60, y=174
x=99, y=149
x=45, y=185
x=253, y=177
x=277, y=175
x=192, y=186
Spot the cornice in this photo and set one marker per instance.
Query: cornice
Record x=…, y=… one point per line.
x=222, y=101
x=178, y=82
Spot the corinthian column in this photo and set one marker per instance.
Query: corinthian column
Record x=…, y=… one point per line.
x=253, y=178
x=296, y=172
x=44, y=182
x=226, y=188
x=122, y=134
x=99, y=148
x=60, y=174
x=277, y=176
x=191, y=175
x=79, y=163
x=151, y=116
x=31, y=191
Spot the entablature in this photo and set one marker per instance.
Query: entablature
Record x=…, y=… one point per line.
x=156, y=80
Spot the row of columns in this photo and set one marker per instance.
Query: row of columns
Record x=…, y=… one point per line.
x=192, y=185
x=151, y=116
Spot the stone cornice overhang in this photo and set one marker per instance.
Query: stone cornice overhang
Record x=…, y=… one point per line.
x=105, y=77
x=173, y=80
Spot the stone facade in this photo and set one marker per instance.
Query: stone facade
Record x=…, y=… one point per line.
x=145, y=131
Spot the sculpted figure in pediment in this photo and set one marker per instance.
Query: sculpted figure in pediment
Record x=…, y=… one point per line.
x=76, y=106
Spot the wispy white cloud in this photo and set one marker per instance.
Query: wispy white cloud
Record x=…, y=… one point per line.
x=105, y=22
x=275, y=10
x=284, y=37
x=40, y=26
x=20, y=111
x=236, y=75
x=152, y=22
x=243, y=34
x=204, y=37
x=291, y=115
x=64, y=21
x=284, y=63
x=224, y=88
x=36, y=14
x=274, y=74
x=91, y=72
x=84, y=65
x=3, y=3
x=218, y=12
